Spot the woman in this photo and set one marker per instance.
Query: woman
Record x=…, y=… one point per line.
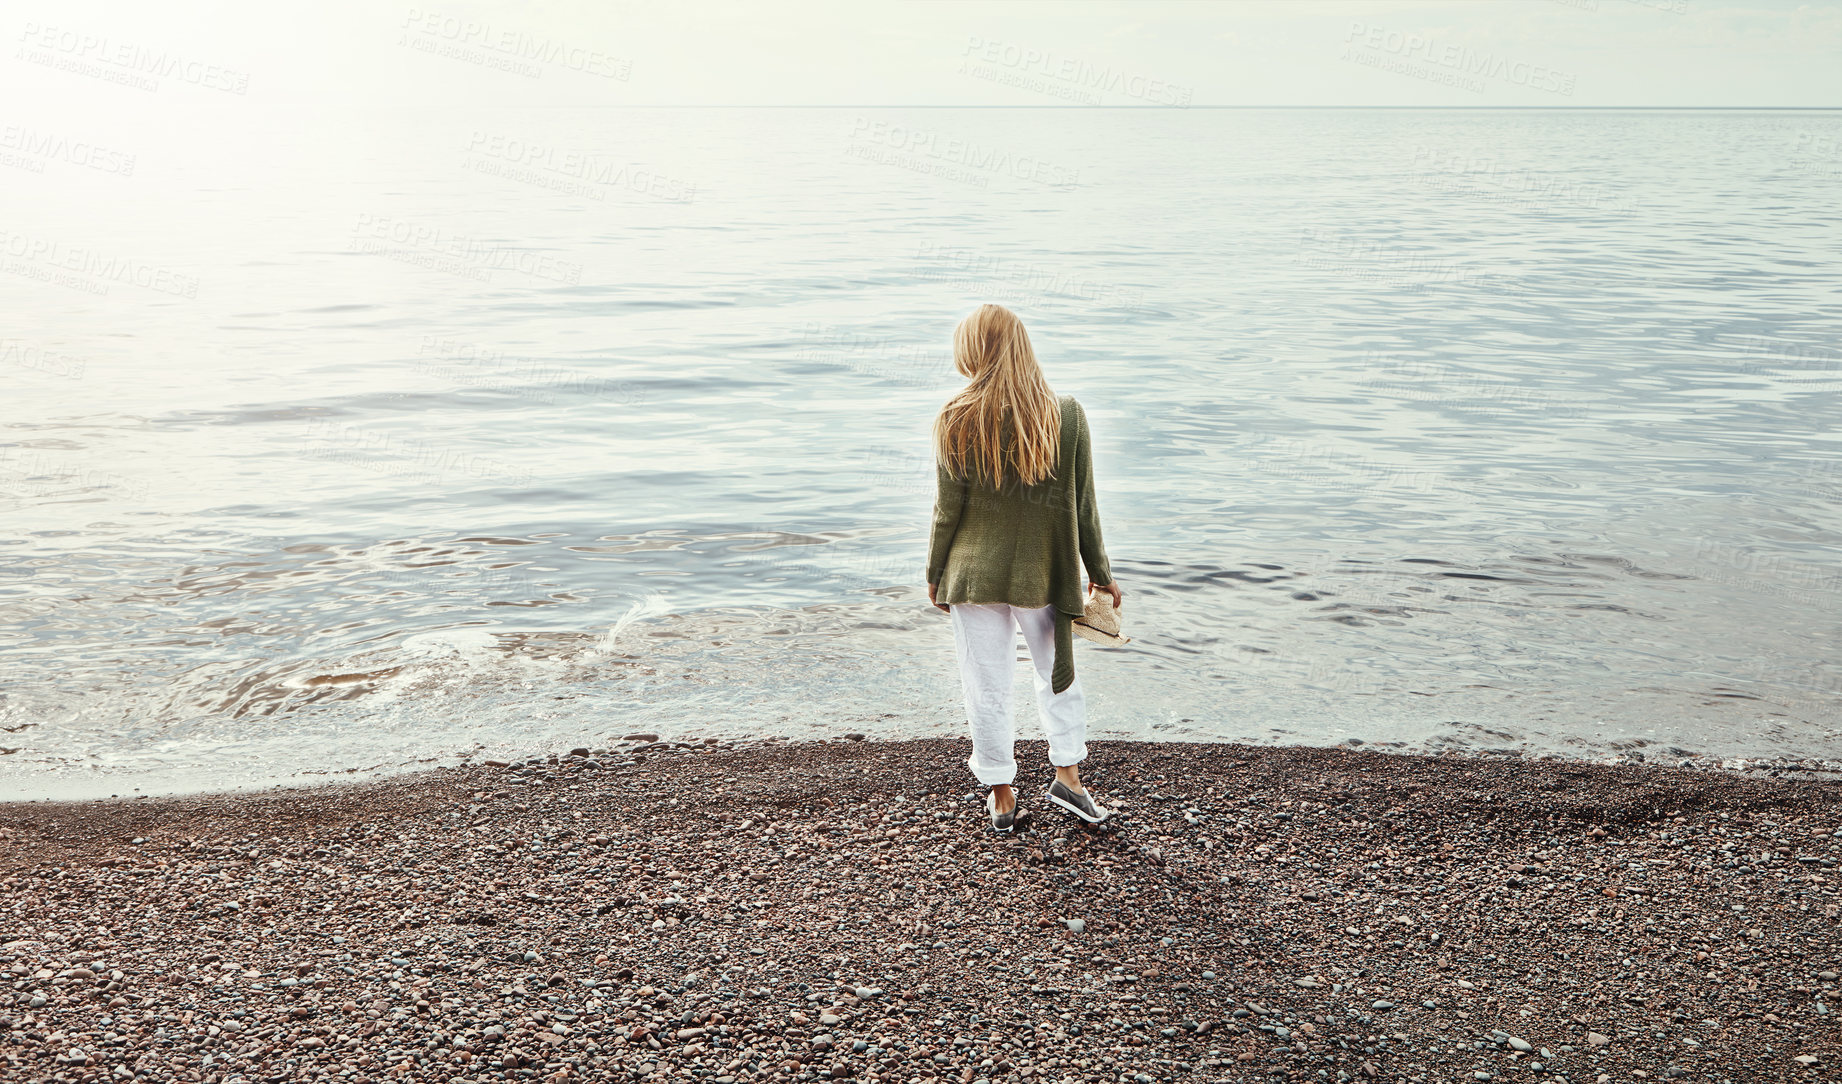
x=1014, y=521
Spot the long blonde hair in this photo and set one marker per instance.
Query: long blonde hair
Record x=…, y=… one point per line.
x=1006, y=394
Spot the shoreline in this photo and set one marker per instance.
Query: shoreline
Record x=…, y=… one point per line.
x=1813, y=768
x=823, y=910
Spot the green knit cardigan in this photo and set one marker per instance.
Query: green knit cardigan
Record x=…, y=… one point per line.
x=1024, y=545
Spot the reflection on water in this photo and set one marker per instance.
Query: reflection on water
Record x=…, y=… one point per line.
x=1385, y=453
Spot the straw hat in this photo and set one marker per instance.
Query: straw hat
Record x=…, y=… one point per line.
x=1100, y=621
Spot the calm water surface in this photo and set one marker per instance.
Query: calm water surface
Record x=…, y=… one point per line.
x=395, y=438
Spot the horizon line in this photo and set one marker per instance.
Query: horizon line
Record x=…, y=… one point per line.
x=1187, y=108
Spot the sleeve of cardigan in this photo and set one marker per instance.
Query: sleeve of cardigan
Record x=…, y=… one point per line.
x=949, y=504
x=1093, y=550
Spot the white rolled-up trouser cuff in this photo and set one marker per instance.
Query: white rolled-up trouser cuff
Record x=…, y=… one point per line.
x=986, y=639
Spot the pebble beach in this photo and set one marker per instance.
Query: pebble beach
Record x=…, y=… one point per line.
x=773, y=911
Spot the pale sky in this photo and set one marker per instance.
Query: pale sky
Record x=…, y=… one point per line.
x=929, y=52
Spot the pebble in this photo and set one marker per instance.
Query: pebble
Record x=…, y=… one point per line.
x=585, y=870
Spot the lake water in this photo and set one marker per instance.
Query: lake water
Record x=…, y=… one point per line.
x=336, y=444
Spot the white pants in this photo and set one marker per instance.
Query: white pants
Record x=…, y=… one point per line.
x=986, y=637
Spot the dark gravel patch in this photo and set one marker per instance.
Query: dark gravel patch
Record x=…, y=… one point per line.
x=840, y=910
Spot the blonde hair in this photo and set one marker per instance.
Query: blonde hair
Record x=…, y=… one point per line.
x=1006, y=394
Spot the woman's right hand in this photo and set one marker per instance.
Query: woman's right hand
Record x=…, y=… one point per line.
x=1111, y=589
x=931, y=588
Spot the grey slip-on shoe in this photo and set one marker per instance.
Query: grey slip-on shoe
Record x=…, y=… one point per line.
x=1078, y=802
x=1002, y=822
